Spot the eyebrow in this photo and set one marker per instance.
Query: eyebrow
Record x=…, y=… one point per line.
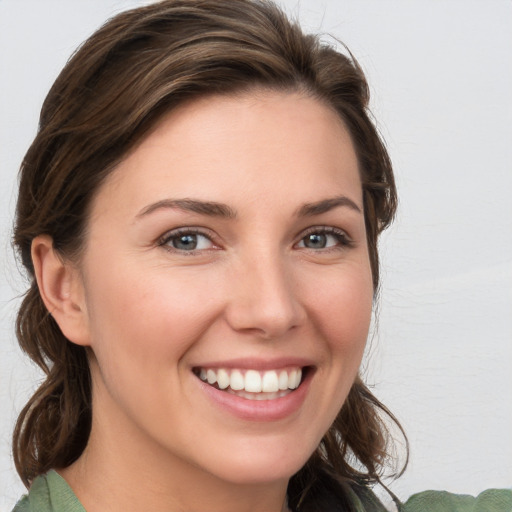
x=325, y=205
x=214, y=209
x=209, y=208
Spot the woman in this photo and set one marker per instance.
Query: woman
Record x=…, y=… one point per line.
x=199, y=213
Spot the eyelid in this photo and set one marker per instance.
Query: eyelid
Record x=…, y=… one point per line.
x=345, y=239
x=163, y=240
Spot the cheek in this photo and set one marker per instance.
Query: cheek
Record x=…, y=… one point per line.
x=343, y=308
x=145, y=317
x=142, y=326
x=340, y=309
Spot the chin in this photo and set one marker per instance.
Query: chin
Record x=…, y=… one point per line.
x=261, y=467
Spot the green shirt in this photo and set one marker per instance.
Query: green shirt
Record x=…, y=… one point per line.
x=51, y=493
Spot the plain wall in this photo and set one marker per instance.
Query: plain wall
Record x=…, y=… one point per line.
x=441, y=83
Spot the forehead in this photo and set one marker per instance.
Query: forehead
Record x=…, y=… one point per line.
x=257, y=146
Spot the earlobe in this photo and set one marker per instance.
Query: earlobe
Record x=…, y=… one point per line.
x=61, y=289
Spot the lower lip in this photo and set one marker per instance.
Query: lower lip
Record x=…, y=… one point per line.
x=259, y=410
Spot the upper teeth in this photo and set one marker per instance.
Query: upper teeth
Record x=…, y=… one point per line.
x=253, y=381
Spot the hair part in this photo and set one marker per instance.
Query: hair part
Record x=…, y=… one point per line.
x=135, y=69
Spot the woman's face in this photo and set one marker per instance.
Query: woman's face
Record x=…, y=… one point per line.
x=228, y=250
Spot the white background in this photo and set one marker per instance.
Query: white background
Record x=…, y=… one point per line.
x=441, y=80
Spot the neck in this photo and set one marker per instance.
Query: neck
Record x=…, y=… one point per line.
x=115, y=473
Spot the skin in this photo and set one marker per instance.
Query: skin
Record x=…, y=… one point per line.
x=253, y=289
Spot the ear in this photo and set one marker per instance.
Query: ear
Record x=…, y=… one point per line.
x=61, y=288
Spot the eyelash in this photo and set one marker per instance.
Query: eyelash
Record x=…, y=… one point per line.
x=179, y=232
x=341, y=236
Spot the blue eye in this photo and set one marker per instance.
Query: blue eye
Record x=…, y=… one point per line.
x=316, y=241
x=324, y=239
x=187, y=241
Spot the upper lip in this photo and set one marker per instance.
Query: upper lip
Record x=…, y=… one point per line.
x=258, y=364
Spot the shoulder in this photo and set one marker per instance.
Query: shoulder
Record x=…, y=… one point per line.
x=491, y=500
x=49, y=493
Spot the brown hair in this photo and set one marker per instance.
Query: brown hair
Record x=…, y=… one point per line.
x=115, y=88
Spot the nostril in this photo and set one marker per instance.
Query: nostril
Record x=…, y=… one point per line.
x=264, y=303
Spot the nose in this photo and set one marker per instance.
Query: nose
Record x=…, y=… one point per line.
x=264, y=298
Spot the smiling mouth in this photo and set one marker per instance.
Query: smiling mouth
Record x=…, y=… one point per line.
x=253, y=384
